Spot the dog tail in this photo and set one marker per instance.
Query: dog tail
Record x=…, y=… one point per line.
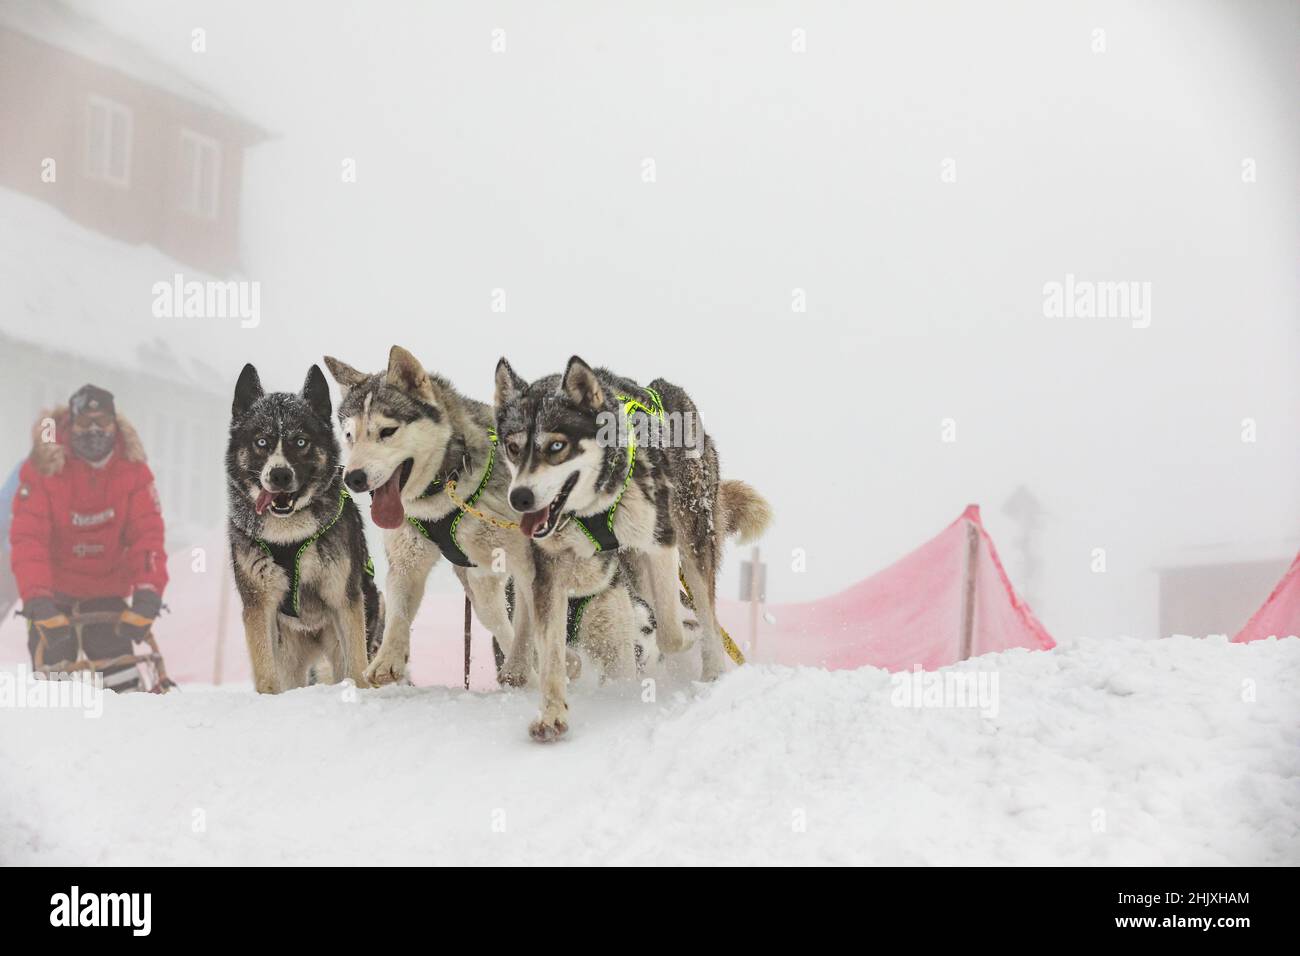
x=742, y=511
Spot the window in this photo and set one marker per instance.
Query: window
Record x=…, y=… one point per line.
x=200, y=174
x=108, y=141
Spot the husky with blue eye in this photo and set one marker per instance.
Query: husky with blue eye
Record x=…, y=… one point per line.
x=604, y=469
x=296, y=539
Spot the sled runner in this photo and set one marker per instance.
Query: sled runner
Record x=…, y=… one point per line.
x=154, y=679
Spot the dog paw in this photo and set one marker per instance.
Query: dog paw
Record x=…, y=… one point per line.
x=385, y=669
x=551, y=724
x=513, y=678
x=708, y=673
x=674, y=640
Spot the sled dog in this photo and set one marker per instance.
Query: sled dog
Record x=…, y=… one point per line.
x=430, y=459
x=296, y=538
x=587, y=485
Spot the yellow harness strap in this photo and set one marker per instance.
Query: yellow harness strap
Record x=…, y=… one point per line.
x=728, y=644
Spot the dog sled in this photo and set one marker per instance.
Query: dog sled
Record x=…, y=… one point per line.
x=153, y=672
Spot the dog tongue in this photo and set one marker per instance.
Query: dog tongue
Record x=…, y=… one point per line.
x=386, y=503
x=263, y=501
x=534, y=520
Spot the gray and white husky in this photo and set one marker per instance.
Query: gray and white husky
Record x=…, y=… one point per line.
x=409, y=436
x=599, y=466
x=296, y=539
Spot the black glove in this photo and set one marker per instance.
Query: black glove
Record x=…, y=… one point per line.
x=51, y=623
x=136, y=620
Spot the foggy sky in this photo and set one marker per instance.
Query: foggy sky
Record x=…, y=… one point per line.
x=819, y=171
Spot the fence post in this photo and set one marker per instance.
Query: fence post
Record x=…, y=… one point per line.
x=968, y=590
x=223, y=602
x=467, y=627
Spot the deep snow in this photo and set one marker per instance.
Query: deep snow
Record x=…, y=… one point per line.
x=1176, y=751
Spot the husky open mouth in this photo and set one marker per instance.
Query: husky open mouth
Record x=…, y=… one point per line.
x=279, y=503
x=538, y=524
x=386, y=501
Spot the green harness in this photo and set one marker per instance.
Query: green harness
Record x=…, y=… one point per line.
x=599, y=528
x=443, y=531
x=578, y=607
x=289, y=558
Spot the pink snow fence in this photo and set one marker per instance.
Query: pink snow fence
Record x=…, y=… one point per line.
x=948, y=600
x=1280, y=615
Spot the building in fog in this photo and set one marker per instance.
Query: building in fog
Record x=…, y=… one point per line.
x=141, y=153
x=116, y=172
x=1215, y=590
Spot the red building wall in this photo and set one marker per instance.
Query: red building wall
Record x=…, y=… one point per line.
x=44, y=99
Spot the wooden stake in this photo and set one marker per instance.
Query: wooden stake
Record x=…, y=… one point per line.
x=968, y=590
x=222, y=603
x=468, y=621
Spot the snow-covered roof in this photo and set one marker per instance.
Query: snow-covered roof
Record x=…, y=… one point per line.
x=56, y=23
x=72, y=290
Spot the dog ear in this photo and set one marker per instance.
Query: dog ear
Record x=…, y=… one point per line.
x=344, y=373
x=406, y=372
x=316, y=391
x=247, y=391
x=581, y=385
x=508, y=384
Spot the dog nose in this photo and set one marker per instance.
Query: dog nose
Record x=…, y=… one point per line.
x=281, y=478
x=521, y=499
x=356, y=480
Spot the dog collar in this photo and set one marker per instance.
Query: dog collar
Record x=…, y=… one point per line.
x=599, y=527
x=442, y=532
x=289, y=558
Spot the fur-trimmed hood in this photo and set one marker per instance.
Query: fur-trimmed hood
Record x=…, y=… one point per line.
x=49, y=457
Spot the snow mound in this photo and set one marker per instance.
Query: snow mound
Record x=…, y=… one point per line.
x=1178, y=751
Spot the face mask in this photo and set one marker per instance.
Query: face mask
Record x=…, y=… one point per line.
x=93, y=444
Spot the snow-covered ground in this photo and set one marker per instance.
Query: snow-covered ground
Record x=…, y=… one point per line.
x=1121, y=751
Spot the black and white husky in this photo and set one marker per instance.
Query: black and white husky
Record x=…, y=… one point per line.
x=411, y=438
x=601, y=465
x=296, y=539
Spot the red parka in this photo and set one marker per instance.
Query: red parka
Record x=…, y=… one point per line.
x=82, y=530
